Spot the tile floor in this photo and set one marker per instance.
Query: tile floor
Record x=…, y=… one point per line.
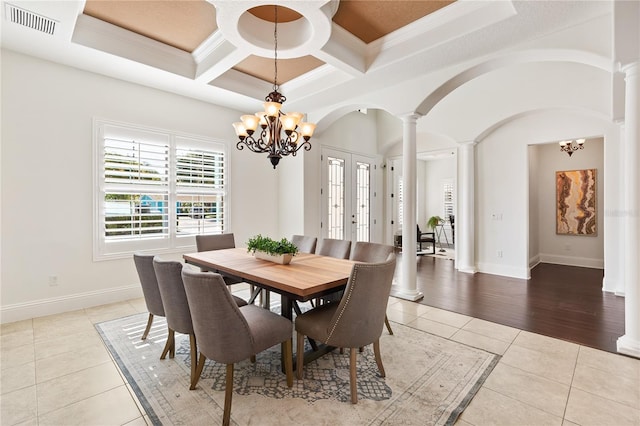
x=49, y=378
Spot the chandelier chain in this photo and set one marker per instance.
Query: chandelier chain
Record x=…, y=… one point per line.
x=275, y=53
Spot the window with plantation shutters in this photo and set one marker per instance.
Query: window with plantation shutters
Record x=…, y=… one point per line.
x=200, y=186
x=155, y=189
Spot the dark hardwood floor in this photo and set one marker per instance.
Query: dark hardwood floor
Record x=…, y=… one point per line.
x=564, y=302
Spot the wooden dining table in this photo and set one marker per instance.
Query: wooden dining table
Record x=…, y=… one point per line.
x=307, y=277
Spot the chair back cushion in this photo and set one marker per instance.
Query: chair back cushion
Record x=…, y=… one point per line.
x=215, y=242
x=370, y=252
x=305, y=244
x=149, y=283
x=174, y=299
x=334, y=248
x=359, y=318
x=221, y=330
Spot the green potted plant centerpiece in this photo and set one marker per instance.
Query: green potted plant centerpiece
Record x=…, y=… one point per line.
x=275, y=251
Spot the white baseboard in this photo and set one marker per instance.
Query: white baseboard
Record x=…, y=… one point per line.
x=57, y=305
x=628, y=346
x=506, y=271
x=534, y=261
x=584, y=262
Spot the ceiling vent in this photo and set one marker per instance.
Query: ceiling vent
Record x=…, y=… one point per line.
x=29, y=19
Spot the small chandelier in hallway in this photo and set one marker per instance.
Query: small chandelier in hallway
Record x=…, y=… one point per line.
x=273, y=121
x=570, y=146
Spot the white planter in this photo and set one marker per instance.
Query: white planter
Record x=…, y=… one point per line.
x=283, y=259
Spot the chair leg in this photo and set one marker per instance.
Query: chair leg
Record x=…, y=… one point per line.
x=196, y=376
x=386, y=322
x=252, y=358
x=194, y=361
x=169, y=346
x=299, y=355
x=376, y=352
x=146, y=330
x=288, y=361
x=228, y=394
x=352, y=376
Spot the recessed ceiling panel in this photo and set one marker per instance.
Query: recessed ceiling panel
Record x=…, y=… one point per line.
x=267, y=13
x=288, y=69
x=369, y=20
x=183, y=24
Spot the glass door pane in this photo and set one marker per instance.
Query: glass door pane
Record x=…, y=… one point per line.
x=363, y=201
x=336, y=198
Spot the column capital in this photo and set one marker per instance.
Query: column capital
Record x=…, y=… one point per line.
x=410, y=117
x=630, y=68
x=470, y=143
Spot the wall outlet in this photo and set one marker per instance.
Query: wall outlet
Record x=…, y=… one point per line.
x=499, y=253
x=53, y=280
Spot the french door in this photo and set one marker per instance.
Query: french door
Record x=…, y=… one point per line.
x=347, y=195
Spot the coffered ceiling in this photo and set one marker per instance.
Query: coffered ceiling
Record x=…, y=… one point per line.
x=244, y=41
x=222, y=51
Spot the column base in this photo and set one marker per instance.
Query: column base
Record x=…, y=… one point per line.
x=468, y=269
x=628, y=346
x=402, y=293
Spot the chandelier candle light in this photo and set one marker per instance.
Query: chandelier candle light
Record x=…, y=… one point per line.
x=273, y=121
x=569, y=146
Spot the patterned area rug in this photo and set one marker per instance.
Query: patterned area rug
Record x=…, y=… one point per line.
x=448, y=254
x=430, y=380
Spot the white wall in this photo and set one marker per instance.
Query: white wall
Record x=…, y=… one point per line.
x=354, y=132
x=534, y=220
x=290, y=210
x=47, y=175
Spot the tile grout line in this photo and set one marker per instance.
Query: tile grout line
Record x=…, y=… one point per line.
x=573, y=375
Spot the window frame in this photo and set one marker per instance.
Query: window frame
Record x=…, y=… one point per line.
x=172, y=242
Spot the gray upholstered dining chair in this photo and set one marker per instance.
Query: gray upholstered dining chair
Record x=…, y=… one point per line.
x=372, y=253
x=150, y=290
x=356, y=321
x=227, y=333
x=305, y=243
x=176, y=308
x=334, y=248
x=208, y=242
x=215, y=241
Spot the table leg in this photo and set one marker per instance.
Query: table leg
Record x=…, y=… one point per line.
x=286, y=310
x=287, y=307
x=254, y=295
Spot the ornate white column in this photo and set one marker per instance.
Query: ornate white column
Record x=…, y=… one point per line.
x=406, y=287
x=465, y=218
x=630, y=343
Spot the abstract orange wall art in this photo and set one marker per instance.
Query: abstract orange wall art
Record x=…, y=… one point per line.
x=576, y=207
